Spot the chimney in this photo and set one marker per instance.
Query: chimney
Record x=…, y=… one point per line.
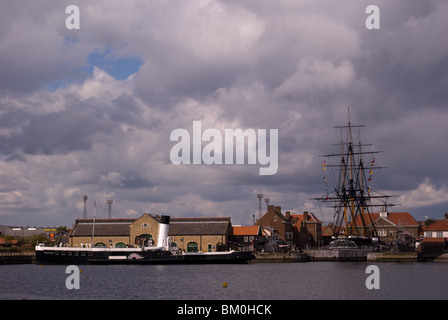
x=446, y=216
x=305, y=216
x=288, y=215
x=278, y=209
x=270, y=208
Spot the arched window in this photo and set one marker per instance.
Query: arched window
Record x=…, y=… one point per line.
x=145, y=225
x=100, y=244
x=120, y=245
x=192, y=246
x=144, y=239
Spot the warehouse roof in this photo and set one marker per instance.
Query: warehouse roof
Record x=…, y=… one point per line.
x=199, y=226
x=177, y=226
x=103, y=227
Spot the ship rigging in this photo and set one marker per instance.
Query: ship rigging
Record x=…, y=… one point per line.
x=353, y=197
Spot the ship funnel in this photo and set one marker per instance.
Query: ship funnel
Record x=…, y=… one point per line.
x=164, y=227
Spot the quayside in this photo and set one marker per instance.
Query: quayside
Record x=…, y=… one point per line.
x=163, y=253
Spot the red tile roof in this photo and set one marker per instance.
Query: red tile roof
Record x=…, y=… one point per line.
x=397, y=218
x=441, y=225
x=300, y=217
x=245, y=230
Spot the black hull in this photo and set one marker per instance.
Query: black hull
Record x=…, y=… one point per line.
x=68, y=257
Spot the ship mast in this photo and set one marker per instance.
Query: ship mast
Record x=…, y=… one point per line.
x=350, y=200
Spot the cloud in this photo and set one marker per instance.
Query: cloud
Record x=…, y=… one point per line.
x=426, y=194
x=315, y=76
x=90, y=111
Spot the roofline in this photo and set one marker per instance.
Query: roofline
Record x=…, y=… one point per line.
x=255, y=225
x=106, y=220
x=203, y=219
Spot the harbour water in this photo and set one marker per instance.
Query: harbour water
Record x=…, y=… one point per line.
x=259, y=281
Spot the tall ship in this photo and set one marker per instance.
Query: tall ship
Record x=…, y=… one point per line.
x=351, y=168
x=162, y=253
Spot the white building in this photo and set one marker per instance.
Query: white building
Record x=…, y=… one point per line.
x=438, y=229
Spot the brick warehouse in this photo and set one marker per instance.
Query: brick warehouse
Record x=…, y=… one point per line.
x=188, y=234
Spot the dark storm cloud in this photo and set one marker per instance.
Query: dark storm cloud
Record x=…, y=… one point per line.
x=294, y=66
x=53, y=133
x=33, y=49
x=59, y=133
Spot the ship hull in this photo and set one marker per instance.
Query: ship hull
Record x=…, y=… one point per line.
x=65, y=256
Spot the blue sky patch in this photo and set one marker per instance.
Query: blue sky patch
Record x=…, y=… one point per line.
x=120, y=68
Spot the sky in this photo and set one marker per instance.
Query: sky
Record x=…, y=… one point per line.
x=90, y=111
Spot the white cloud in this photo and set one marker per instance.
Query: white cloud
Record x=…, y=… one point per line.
x=112, y=178
x=316, y=76
x=291, y=66
x=421, y=33
x=426, y=194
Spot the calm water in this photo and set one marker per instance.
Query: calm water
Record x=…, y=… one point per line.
x=270, y=281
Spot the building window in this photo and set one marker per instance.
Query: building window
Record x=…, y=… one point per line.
x=439, y=234
x=145, y=225
x=275, y=218
x=192, y=246
x=246, y=239
x=100, y=245
x=428, y=234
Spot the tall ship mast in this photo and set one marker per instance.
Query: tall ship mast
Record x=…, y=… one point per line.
x=353, y=197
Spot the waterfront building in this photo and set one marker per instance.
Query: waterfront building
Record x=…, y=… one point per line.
x=388, y=225
x=247, y=238
x=438, y=229
x=115, y=232
x=295, y=230
x=200, y=234
x=308, y=228
x=435, y=237
x=188, y=234
x=282, y=223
